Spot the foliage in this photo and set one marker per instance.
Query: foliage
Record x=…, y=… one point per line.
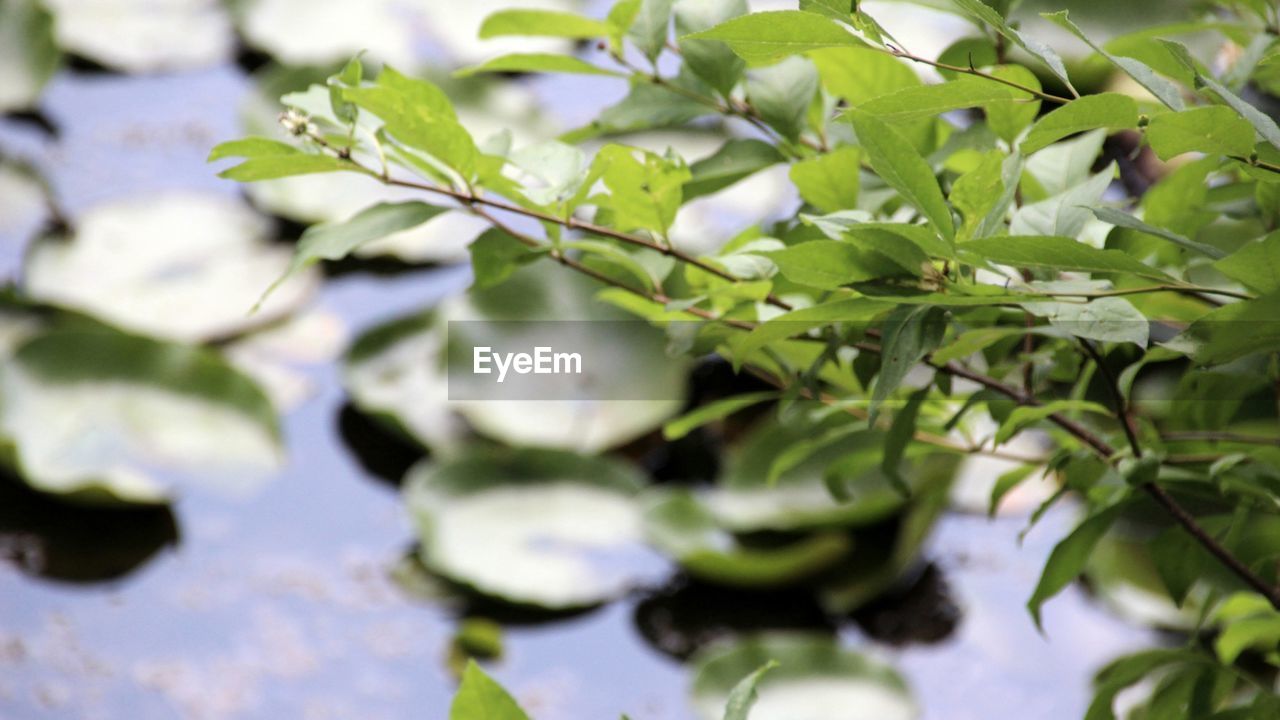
x=962, y=247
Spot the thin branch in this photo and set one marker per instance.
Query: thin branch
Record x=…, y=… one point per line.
x=900, y=53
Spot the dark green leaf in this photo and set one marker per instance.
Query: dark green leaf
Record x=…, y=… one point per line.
x=734, y=161
x=1112, y=111
x=1068, y=558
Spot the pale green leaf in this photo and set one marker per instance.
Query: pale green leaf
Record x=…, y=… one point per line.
x=710, y=60
x=537, y=62
x=767, y=37
x=733, y=161
x=548, y=23
x=718, y=410
x=480, y=698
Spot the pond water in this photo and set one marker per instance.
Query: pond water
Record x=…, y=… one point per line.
x=281, y=603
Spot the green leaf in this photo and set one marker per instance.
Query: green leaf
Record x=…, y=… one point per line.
x=1006, y=483
x=901, y=432
x=649, y=106
x=420, y=115
x=909, y=334
x=687, y=423
x=767, y=37
x=495, y=255
x=925, y=101
x=1261, y=632
x=1119, y=218
x=334, y=241
x=743, y=695
x=1237, y=330
x=1009, y=118
x=1260, y=121
x=1057, y=253
x=782, y=94
x=536, y=62
x=796, y=322
x=1112, y=111
x=985, y=13
x=1164, y=90
x=649, y=27
x=733, y=161
x=898, y=163
x=860, y=74
x=1256, y=265
x=1026, y=415
x=711, y=60
x=1069, y=557
x=251, y=147
x=271, y=167
x=600, y=250
x=829, y=264
x=547, y=23
x=646, y=192
x=829, y=181
x=480, y=698
x=834, y=9
x=1213, y=130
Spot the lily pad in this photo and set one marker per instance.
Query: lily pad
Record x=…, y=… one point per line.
x=396, y=371
x=28, y=55
x=91, y=413
x=139, y=36
x=533, y=527
x=679, y=525
x=393, y=373
x=300, y=32
x=187, y=267
x=815, y=679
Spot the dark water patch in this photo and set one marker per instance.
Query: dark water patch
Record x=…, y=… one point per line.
x=384, y=454
x=688, y=615
x=46, y=537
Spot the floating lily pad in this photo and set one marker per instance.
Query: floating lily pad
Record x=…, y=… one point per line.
x=396, y=371
x=187, y=267
x=300, y=32
x=28, y=55
x=393, y=373
x=94, y=414
x=145, y=35
x=22, y=209
x=815, y=679
x=533, y=527
x=680, y=525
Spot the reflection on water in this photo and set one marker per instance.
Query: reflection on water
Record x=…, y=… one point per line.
x=48, y=538
x=283, y=604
